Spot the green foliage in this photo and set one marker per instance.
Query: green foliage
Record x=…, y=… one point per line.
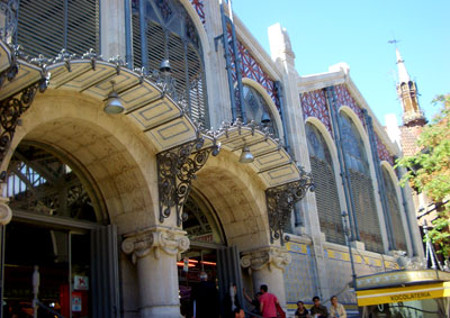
x=428, y=171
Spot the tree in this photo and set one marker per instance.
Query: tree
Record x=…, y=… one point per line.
x=428, y=171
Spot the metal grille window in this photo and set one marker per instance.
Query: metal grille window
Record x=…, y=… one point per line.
x=394, y=209
x=327, y=199
x=162, y=29
x=47, y=26
x=39, y=182
x=257, y=109
x=361, y=186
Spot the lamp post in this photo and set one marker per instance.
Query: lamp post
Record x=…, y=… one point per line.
x=348, y=241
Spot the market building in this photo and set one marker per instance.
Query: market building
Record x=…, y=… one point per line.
x=146, y=141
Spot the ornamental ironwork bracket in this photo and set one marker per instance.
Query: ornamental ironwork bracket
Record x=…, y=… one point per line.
x=12, y=108
x=176, y=169
x=280, y=202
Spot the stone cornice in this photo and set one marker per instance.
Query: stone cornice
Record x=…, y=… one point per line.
x=319, y=81
x=155, y=239
x=266, y=257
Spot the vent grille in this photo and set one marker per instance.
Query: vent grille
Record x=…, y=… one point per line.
x=44, y=28
x=397, y=224
x=327, y=201
x=366, y=212
x=185, y=61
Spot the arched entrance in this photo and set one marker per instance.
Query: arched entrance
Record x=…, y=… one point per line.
x=206, y=239
x=60, y=232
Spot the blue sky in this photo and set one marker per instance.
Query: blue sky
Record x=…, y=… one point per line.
x=326, y=32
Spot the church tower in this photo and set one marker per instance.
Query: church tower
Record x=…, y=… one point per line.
x=407, y=93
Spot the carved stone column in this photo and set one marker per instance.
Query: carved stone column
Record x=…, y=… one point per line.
x=266, y=265
x=155, y=252
x=5, y=210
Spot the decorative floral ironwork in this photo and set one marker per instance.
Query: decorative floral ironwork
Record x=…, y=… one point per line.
x=314, y=105
x=9, y=10
x=176, y=169
x=343, y=98
x=165, y=9
x=383, y=152
x=280, y=201
x=199, y=6
x=10, y=111
x=252, y=69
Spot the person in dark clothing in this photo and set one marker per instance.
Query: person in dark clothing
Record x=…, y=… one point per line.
x=206, y=299
x=253, y=302
x=301, y=311
x=318, y=309
x=231, y=302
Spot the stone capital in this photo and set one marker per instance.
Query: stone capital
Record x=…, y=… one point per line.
x=266, y=257
x=155, y=240
x=5, y=211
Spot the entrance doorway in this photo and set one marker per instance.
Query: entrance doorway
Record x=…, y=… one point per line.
x=57, y=252
x=207, y=258
x=61, y=257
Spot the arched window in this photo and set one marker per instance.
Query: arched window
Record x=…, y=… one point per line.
x=257, y=109
x=39, y=182
x=361, y=185
x=394, y=209
x=200, y=223
x=47, y=26
x=327, y=199
x=163, y=30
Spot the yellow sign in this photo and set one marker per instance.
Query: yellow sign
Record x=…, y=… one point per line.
x=402, y=294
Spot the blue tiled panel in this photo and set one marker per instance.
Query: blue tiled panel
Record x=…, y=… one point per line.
x=299, y=276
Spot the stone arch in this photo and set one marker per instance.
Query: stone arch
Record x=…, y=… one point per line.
x=373, y=234
x=331, y=223
x=198, y=26
x=386, y=166
x=110, y=149
x=238, y=198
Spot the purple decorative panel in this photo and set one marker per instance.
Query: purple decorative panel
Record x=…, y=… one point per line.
x=199, y=6
x=383, y=153
x=314, y=105
x=252, y=69
x=343, y=98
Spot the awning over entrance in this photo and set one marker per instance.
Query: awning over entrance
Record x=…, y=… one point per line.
x=402, y=286
x=162, y=119
x=272, y=163
x=402, y=294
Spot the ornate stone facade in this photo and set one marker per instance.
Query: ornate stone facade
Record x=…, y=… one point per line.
x=155, y=240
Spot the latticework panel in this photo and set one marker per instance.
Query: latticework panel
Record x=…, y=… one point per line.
x=327, y=201
x=366, y=211
x=59, y=24
x=394, y=209
x=181, y=49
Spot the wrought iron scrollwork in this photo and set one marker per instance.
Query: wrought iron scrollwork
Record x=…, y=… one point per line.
x=280, y=202
x=176, y=169
x=10, y=111
x=9, y=9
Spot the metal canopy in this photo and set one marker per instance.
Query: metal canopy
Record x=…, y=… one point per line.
x=162, y=119
x=272, y=162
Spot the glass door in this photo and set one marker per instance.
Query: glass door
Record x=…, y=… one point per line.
x=47, y=264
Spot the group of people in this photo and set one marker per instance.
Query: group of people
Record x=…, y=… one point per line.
x=264, y=305
x=337, y=310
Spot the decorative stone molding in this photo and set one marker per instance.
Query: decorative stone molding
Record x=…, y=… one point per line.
x=156, y=239
x=5, y=212
x=266, y=257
